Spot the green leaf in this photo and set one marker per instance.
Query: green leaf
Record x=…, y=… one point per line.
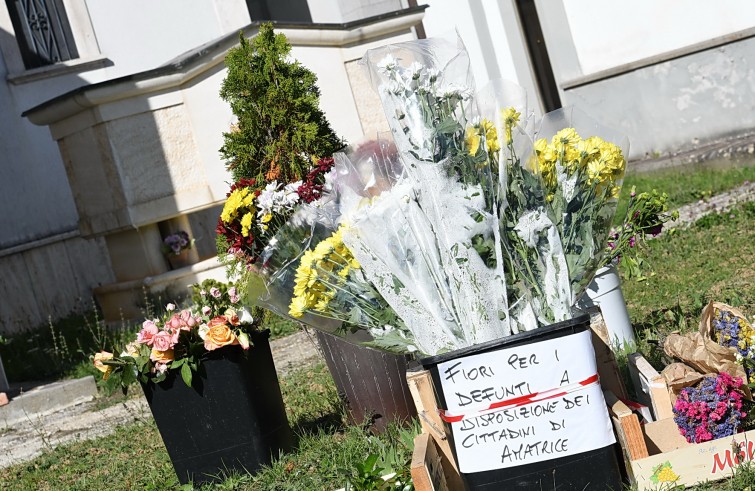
x=186, y=374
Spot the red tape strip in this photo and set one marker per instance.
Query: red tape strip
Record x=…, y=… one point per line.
x=519, y=400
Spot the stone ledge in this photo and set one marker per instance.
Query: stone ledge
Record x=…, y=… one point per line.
x=47, y=399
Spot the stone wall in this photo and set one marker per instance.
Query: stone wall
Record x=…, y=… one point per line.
x=47, y=279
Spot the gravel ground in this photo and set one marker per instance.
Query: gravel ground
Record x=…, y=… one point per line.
x=39, y=433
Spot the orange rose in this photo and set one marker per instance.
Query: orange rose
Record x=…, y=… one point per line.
x=162, y=356
x=219, y=334
x=99, y=358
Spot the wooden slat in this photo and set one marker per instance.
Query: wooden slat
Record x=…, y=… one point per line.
x=650, y=386
x=421, y=387
x=627, y=427
x=608, y=369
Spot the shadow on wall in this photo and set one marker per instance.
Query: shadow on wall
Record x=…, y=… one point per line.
x=130, y=175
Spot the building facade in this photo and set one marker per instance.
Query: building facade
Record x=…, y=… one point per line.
x=142, y=77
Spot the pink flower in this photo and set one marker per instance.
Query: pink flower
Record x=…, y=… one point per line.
x=174, y=323
x=163, y=341
x=233, y=294
x=170, y=307
x=146, y=335
x=188, y=320
x=215, y=292
x=206, y=310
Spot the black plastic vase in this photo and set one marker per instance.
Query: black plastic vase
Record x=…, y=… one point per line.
x=231, y=419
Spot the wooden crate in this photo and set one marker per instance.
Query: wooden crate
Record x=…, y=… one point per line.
x=432, y=446
x=657, y=455
x=650, y=387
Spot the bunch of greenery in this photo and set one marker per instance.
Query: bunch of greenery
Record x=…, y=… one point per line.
x=281, y=130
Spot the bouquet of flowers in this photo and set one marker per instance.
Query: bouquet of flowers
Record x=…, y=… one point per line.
x=646, y=214
x=732, y=330
x=477, y=230
x=558, y=222
x=176, y=243
x=253, y=212
x=180, y=338
x=711, y=410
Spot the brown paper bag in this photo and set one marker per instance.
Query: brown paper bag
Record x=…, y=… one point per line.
x=703, y=354
x=679, y=376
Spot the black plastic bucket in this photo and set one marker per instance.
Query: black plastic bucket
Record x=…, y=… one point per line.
x=232, y=418
x=594, y=470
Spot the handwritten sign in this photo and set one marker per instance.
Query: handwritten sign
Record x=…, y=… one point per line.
x=545, y=398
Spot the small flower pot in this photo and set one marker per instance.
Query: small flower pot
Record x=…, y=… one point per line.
x=604, y=294
x=232, y=418
x=180, y=260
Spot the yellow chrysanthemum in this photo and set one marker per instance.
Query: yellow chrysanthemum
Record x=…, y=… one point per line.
x=510, y=118
x=321, y=271
x=565, y=137
x=472, y=140
x=246, y=224
x=488, y=128
x=297, y=307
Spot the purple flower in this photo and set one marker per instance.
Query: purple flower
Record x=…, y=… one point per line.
x=711, y=410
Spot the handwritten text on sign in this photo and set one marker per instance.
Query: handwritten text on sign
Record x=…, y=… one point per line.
x=569, y=424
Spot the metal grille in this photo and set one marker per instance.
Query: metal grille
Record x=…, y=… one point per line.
x=42, y=31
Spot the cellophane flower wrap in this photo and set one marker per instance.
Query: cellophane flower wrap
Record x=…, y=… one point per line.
x=430, y=244
x=580, y=165
x=471, y=230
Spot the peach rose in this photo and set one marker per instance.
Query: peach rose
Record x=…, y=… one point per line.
x=219, y=334
x=232, y=317
x=162, y=356
x=99, y=358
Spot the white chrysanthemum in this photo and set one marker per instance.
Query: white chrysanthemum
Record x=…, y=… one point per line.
x=387, y=64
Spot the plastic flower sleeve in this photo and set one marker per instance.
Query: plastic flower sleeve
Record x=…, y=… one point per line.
x=423, y=85
x=582, y=166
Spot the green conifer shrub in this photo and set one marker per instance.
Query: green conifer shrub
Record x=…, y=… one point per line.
x=280, y=126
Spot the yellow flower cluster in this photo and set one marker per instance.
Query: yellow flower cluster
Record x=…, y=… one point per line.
x=602, y=162
x=240, y=203
x=510, y=118
x=320, y=273
x=475, y=133
x=666, y=474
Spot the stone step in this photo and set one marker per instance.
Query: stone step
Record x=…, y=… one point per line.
x=46, y=399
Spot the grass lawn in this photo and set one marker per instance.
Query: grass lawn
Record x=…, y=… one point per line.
x=710, y=260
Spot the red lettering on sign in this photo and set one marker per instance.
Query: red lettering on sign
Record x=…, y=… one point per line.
x=718, y=465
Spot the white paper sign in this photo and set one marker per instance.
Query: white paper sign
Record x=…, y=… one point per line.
x=548, y=429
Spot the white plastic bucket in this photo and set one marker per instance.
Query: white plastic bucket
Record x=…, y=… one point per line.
x=604, y=292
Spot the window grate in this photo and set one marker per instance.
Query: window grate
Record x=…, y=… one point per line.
x=42, y=32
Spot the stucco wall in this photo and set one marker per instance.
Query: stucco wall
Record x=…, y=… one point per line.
x=41, y=277
x=677, y=103
x=608, y=33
